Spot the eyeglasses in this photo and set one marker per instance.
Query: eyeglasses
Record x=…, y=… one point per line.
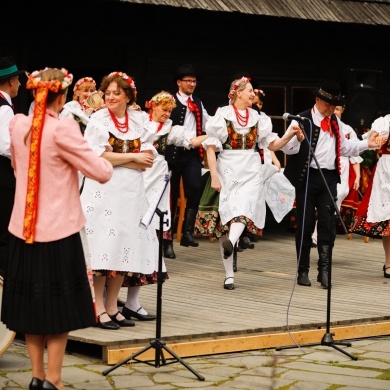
x=190, y=81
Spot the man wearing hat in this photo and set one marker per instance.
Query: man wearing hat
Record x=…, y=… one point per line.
x=324, y=136
x=186, y=163
x=9, y=87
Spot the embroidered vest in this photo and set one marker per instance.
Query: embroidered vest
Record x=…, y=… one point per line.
x=297, y=164
x=172, y=152
x=124, y=146
x=237, y=141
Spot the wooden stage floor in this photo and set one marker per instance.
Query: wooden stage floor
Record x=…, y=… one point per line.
x=267, y=309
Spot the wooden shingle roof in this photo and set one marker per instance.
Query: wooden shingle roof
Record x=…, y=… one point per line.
x=368, y=12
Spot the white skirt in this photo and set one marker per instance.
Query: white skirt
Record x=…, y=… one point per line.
x=114, y=210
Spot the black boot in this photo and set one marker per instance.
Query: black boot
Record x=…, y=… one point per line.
x=188, y=228
x=303, y=278
x=168, y=249
x=323, y=265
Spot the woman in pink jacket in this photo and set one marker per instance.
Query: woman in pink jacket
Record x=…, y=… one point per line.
x=46, y=289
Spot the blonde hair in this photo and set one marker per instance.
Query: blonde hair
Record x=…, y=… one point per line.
x=163, y=99
x=235, y=86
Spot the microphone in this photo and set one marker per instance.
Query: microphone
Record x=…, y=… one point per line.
x=288, y=117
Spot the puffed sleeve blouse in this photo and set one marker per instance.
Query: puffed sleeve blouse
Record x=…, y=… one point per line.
x=216, y=127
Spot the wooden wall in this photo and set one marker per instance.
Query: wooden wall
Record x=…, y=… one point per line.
x=288, y=58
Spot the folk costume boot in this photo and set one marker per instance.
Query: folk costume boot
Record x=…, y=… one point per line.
x=168, y=249
x=323, y=265
x=189, y=223
x=303, y=277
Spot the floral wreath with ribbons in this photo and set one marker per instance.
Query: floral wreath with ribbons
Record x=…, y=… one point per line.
x=125, y=77
x=82, y=81
x=237, y=84
x=161, y=98
x=42, y=88
x=259, y=91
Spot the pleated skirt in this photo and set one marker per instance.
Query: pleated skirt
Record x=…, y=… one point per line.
x=46, y=289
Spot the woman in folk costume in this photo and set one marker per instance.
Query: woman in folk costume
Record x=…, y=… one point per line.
x=237, y=173
x=347, y=189
x=372, y=218
x=46, y=289
x=77, y=108
x=117, y=244
x=157, y=121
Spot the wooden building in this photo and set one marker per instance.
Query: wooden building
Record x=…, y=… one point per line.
x=287, y=46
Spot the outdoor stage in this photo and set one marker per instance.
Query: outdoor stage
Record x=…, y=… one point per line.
x=266, y=310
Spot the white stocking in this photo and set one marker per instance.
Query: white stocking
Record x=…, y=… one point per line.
x=132, y=301
x=235, y=231
x=227, y=263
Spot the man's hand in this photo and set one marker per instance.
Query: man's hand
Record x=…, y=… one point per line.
x=376, y=141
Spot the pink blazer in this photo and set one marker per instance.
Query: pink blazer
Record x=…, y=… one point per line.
x=64, y=152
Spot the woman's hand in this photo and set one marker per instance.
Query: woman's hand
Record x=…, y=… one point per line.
x=215, y=183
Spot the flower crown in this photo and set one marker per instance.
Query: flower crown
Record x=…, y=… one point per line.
x=125, y=77
x=34, y=80
x=162, y=97
x=82, y=81
x=237, y=84
x=259, y=91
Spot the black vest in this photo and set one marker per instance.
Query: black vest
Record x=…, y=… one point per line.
x=297, y=165
x=7, y=176
x=172, y=152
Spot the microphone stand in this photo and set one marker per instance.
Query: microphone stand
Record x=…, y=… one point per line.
x=157, y=344
x=327, y=339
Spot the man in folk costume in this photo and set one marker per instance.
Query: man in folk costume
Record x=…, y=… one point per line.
x=186, y=163
x=9, y=87
x=327, y=142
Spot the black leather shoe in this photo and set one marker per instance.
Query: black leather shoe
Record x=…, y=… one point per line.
x=303, y=279
x=228, y=286
x=227, y=248
x=46, y=385
x=35, y=384
x=123, y=322
x=120, y=303
x=245, y=243
x=168, y=250
x=127, y=313
x=322, y=278
x=111, y=325
x=385, y=274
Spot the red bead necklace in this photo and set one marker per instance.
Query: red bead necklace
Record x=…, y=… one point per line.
x=121, y=127
x=160, y=124
x=242, y=120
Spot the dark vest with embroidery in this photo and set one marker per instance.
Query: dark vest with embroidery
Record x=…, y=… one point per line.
x=7, y=176
x=172, y=152
x=297, y=165
x=237, y=141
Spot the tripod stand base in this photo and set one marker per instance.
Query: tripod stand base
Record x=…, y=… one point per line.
x=326, y=340
x=159, y=347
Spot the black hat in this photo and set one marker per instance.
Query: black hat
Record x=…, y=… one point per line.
x=330, y=93
x=8, y=68
x=185, y=70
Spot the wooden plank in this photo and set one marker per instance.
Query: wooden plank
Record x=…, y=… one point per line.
x=195, y=307
x=239, y=344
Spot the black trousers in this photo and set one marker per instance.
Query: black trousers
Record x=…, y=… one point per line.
x=311, y=200
x=189, y=167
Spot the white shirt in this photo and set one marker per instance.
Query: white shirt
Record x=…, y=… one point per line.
x=6, y=114
x=190, y=119
x=325, y=151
